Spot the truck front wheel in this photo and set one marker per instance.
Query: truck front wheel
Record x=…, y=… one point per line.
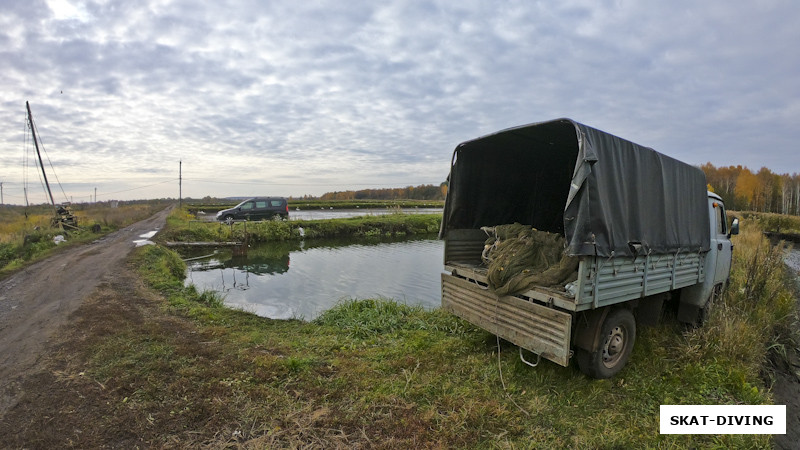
x=617, y=336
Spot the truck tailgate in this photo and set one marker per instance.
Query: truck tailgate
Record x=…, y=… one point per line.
x=542, y=330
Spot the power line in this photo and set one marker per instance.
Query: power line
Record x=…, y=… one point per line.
x=107, y=193
x=256, y=183
x=172, y=180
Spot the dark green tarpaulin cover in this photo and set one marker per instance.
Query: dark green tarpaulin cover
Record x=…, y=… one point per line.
x=606, y=195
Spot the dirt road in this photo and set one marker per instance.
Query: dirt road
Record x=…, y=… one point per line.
x=38, y=300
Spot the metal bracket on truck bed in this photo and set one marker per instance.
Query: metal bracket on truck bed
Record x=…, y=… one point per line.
x=522, y=357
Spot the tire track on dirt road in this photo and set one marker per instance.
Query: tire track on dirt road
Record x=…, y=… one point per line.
x=36, y=301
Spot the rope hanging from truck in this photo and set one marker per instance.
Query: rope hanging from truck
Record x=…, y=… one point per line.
x=519, y=257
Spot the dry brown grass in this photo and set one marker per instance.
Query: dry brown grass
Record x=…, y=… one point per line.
x=757, y=308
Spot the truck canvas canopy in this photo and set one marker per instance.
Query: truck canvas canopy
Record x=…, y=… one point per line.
x=606, y=195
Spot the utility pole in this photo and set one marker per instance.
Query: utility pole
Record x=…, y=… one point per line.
x=180, y=184
x=41, y=164
x=1, y=192
x=95, y=195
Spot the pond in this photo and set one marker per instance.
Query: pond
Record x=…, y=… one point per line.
x=792, y=259
x=303, y=279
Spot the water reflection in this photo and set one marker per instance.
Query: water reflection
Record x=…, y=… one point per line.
x=256, y=264
x=322, y=272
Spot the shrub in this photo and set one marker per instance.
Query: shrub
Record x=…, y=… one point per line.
x=8, y=253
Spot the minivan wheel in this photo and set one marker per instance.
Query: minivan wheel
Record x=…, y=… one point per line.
x=617, y=336
x=228, y=219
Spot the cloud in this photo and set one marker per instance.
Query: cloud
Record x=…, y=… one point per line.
x=318, y=96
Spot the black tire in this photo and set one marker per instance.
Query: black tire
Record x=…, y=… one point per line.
x=617, y=336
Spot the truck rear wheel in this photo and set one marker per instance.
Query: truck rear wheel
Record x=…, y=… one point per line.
x=617, y=335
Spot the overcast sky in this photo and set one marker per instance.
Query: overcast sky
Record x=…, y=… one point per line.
x=305, y=97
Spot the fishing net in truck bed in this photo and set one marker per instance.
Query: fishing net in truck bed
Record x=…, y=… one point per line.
x=519, y=257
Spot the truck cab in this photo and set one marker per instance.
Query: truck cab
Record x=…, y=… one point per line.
x=696, y=301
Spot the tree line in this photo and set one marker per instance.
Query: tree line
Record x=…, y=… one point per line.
x=421, y=192
x=740, y=188
x=762, y=191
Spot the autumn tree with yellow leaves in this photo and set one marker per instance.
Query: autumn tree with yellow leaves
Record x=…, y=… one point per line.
x=763, y=191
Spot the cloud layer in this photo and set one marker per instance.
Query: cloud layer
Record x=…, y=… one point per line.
x=289, y=98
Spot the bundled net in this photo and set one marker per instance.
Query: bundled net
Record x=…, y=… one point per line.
x=519, y=257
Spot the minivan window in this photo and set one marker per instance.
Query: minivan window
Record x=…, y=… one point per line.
x=248, y=205
x=276, y=202
x=261, y=204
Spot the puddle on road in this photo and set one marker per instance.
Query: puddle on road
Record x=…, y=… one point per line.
x=145, y=238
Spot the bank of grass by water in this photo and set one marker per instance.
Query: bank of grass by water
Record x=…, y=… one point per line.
x=375, y=373
x=306, y=205
x=771, y=222
x=182, y=227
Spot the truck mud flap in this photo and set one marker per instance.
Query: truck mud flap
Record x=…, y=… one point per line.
x=539, y=329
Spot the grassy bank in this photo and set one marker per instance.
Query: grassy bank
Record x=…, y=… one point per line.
x=374, y=373
x=26, y=234
x=357, y=204
x=770, y=222
x=182, y=228
x=304, y=205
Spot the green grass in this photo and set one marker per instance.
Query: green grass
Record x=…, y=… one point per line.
x=182, y=228
x=778, y=223
x=357, y=204
x=376, y=373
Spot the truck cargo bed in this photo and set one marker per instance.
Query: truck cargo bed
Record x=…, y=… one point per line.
x=478, y=274
x=540, y=319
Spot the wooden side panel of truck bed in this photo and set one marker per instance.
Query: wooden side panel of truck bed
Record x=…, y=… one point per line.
x=529, y=325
